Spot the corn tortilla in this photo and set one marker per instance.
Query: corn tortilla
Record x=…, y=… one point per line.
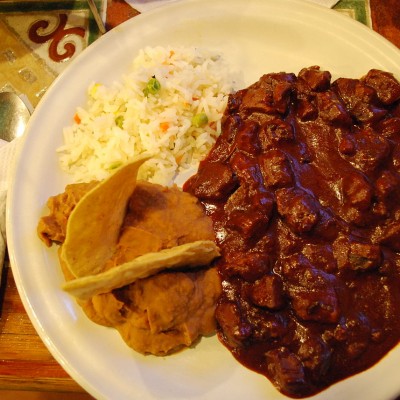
x=193, y=254
x=94, y=225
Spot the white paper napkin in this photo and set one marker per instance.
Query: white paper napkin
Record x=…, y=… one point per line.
x=145, y=5
x=7, y=151
x=324, y=3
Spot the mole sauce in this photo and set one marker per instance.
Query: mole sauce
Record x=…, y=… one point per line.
x=303, y=190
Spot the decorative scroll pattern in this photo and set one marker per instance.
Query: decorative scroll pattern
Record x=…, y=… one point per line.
x=56, y=37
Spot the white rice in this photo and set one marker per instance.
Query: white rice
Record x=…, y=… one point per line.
x=192, y=81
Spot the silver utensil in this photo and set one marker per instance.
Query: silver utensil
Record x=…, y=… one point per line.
x=97, y=16
x=14, y=115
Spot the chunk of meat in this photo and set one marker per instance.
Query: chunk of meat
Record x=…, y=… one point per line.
x=298, y=209
x=312, y=292
x=356, y=255
x=396, y=158
x=361, y=100
x=357, y=191
x=229, y=318
x=271, y=94
x=213, y=181
x=306, y=109
x=250, y=223
x=305, y=104
x=235, y=100
x=267, y=325
x=268, y=292
x=246, y=169
x=275, y=168
x=315, y=355
x=389, y=235
x=239, y=200
x=354, y=333
x=385, y=84
x=281, y=95
x=246, y=199
x=258, y=101
x=249, y=266
x=387, y=184
x=274, y=132
x=317, y=79
x=230, y=126
x=331, y=109
x=347, y=145
x=262, y=200
x=370, y=150
x=321, y=256
x=389, y=127
x=246, y=138
x=364, y=256
x=286, y=371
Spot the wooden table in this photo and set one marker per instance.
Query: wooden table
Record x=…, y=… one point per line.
x=27, y=369
x=26, y=366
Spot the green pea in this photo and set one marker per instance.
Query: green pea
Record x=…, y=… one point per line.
x=115, y=165
x=199, y=120
x=119, y=121
x=152, y=87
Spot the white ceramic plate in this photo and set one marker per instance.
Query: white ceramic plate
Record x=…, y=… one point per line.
x=255, y=36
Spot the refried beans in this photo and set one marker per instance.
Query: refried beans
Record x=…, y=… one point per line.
x=163, y=313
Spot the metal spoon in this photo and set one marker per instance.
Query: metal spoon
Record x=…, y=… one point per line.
x=14, y=115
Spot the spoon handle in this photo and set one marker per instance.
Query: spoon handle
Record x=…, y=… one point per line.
x=14, y=115
x=97, y=16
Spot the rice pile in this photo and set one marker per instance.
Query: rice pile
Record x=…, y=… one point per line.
x=123, y=120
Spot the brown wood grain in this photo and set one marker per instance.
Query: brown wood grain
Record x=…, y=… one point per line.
x=118, y=11
x=25, y=363
x=385, y=16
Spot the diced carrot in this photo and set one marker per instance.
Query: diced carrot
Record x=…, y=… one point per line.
x=178, y=159
x=164, y=126
x=77, y=119
x=166, y=62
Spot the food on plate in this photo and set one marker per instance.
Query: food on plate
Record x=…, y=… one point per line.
x=163, y=313
x=118, y=237
x=193, y=254
x=169, y=104
x=303, y=190
x=94, y=225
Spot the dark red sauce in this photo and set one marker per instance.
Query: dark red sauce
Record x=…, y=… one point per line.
x=303, y=190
